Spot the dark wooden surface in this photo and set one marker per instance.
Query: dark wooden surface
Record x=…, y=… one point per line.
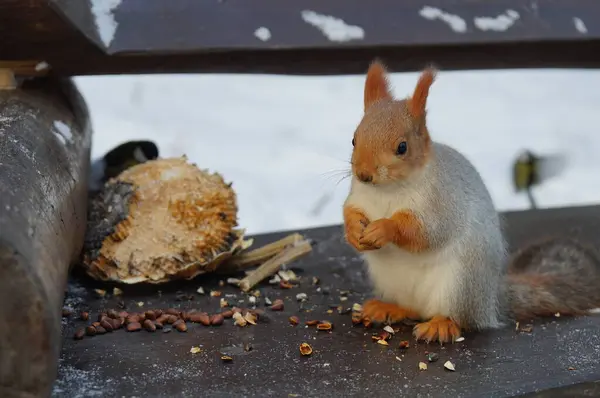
x=43, y=193
x=345, y=362
x=157, y=36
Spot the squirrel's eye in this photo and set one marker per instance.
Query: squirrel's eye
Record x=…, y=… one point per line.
x=401, y=148
x=353, y=142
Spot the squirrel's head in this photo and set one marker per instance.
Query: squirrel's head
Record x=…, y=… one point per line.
x=391, y=142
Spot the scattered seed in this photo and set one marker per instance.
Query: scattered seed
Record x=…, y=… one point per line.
x=324, y=326
x=343, y=298
x=226, y=358
x=267, y=301
x=422, y=366
x=382, y=342
x=200, y=290
x=312, y=322
x=216, y=319
x=215, y=293
x=449, y=365
x=84, y=316
x=133, y=327
x=432, y=357
x=294, y=320
x=79, y=334
x=167, y=329
x=527, y=328
x=458, y=340
x=287, y=275
x=399, y=359
x=329, y=311
x=117, y=291
x=571, y=368
x=100, y=330
x=239, y=319
x=275, y=280
x=223, y=303
x=277, y=305
x=149, y=325
x=357, y=307
x=100, y=292
x=315, y=280
x=256, y=293
x=140, y=303
x=195, y=350
x=252, y=300
x=557, y=315
x=247, y=347
x=90, y=330
x=301, y=296
x=305, y=349
x=250, y=318
x=404, y=344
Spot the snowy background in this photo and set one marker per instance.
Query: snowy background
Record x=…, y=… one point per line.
x=285, y=141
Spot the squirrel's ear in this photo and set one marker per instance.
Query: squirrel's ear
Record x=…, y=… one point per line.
x=376, y=85
x=418, y=102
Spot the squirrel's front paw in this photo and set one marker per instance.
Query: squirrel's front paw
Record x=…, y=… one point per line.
x=377, y=234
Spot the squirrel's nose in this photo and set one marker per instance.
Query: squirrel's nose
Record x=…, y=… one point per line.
x=364, y=176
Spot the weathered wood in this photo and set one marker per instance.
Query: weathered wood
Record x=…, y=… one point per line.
x=45, y=139
x=157, y=36
x=559, y=358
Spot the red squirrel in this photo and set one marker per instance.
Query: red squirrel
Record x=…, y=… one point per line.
x=422, y=218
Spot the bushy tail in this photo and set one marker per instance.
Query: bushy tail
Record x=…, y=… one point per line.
x=554, y=276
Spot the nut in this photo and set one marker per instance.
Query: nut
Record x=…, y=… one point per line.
x=171, y=319
x=133, y=327
x=285, y=285
x=216, y=319
x=294, y=320
x=133, y=318
x=404, y=344
x=149, y=325
x=112, y=314
x=84, y=316
x=79, y=334
x=305, y=349
x=90, y=331
x=227, y=314
x=151, y=315
x=106, y=324
x=173, y=311
x=312, y=322
x=226, y=358
x=100, y=330
x=180, y=325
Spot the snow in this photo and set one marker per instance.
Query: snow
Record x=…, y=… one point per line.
x=106, y=25
x=455, y=22
x=500, y=23
x=285, y=141
x=335, y=29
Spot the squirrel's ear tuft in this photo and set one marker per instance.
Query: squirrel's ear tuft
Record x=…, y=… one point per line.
x=418, y=102
x=376, y=85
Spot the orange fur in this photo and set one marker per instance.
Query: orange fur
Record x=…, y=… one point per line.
x=377, y=85
x=403, y=229
x=355, y=222
x=439, y=328
x=379, y=311
x=388, y=122
x=418, y=102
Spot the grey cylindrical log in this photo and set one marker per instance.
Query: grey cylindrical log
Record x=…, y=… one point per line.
x=45, y=140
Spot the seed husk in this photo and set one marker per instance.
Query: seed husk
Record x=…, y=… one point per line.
x=277, y=305
x=382, y=342
x=324, y=326
x=216, y=319
x=250, y=318
x=90, y=330
x=79, y=334
x=226, y=358
x=149, y=325
x=312, y=322
x=134, y=327
x=195, y=350
x=449, y=365
x=305, y=349
x=239, y=319
x=285, y=285
x=422, y=366
x=294, y=320
x=404, y=344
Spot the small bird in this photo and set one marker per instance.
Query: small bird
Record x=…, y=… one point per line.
x=530, y=170
x=120, y=158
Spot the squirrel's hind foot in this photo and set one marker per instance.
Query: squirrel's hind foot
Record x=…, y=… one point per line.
x=381, y=312
x=439, y=328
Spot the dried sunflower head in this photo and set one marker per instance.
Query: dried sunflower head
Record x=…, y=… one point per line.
x=161, y=220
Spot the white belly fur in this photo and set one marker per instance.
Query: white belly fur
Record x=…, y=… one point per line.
x=422, y=282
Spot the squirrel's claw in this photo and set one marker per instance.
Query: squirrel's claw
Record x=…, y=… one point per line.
x=439, y=328
x=376, y=235
x=380, y=312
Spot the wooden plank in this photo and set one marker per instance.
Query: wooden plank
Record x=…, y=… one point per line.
x=45, y=139
x=190, y=36
x=560, y=356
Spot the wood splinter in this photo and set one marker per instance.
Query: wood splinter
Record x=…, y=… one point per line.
x=273, y=265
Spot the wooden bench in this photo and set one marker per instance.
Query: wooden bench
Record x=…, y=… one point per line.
x=43, y=42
